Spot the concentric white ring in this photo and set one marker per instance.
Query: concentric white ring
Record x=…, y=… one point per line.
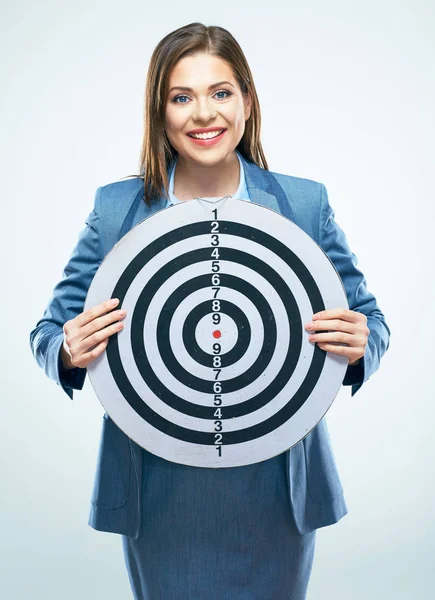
x=225, y=333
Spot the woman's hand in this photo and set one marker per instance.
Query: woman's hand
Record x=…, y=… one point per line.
x=86, y=336
x=347, y=332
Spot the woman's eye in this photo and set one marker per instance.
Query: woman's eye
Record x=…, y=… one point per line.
x=177, y=98
x=224, y=92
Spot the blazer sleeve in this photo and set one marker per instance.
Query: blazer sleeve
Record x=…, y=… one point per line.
x=334, y=243
x=67, y=301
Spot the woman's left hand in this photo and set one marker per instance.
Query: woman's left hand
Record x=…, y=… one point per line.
x=343, y=326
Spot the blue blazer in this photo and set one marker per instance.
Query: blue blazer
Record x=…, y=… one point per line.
x=315, y=491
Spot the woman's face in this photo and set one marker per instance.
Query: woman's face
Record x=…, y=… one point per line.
x=205, y=105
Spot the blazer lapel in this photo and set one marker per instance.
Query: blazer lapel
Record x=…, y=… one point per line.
x=139, y=210
x=264, y=189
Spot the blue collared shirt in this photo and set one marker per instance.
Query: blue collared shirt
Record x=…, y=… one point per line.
x=241, y=192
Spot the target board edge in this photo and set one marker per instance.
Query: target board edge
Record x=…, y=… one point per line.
x=239, y=226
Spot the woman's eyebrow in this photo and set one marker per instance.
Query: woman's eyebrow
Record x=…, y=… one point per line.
x=187, y=89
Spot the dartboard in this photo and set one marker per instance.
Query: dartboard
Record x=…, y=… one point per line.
x=213, y=367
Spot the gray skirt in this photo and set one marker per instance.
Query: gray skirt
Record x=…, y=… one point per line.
x=217, y=534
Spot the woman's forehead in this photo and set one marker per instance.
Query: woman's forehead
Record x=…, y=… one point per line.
x=206, y=68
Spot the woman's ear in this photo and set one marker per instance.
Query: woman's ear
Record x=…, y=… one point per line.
x=248, y=105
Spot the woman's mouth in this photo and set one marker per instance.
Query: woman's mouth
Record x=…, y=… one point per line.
x=207, y=139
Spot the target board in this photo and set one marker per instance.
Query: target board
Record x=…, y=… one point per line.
x=213, y=367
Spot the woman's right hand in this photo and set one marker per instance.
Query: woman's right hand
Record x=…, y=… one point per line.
x=86, y=336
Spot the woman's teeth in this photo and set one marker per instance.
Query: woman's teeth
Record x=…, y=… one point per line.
x=205, y=136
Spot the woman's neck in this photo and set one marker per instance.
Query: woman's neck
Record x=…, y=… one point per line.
x=192, y=180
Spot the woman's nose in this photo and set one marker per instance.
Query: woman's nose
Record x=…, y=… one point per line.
x=204, y=110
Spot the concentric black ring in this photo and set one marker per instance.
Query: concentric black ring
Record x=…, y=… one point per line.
x=227, y=358
x=298, y=399
x=164, y=323
x=262, y=398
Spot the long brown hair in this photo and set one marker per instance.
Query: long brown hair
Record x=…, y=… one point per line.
x=157, y=153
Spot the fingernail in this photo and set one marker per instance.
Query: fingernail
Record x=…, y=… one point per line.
x=115, y=301
x=309, y=326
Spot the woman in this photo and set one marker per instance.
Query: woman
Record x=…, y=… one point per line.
x=193, y=533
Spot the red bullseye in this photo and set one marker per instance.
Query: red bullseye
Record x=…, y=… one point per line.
x=217, y=334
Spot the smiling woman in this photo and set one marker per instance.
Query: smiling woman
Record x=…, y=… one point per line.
x=213, y=99
x=190, y=533
x=198, y=82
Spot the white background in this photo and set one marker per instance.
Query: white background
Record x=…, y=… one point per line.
x=347, y=96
